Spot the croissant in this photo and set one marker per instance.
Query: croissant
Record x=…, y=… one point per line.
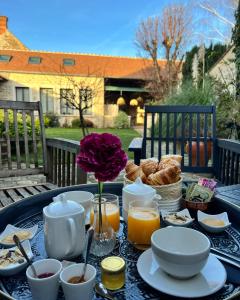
x=165, y=176
x=149, y=166
x=168, y=162
x=176, y=157
x=132, y=171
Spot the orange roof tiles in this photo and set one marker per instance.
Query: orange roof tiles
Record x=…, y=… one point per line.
x=85, y=64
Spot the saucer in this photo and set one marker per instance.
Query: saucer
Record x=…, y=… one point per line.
x=211, y=279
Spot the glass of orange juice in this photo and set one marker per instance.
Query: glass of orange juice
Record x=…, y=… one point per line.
x=112, y=210
x=143, y=220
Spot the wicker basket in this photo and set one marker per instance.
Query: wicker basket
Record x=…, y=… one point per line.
x=196, y=205
x=171, y=191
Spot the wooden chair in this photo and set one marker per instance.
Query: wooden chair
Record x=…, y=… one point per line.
x=169, y=129
x=25, y=151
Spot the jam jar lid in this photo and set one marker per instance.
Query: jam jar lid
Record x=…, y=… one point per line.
x=113, y=264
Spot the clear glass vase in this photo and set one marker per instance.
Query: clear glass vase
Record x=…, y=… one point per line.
x=104, y=238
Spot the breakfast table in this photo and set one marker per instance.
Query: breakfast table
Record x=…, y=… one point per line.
x=28, y=212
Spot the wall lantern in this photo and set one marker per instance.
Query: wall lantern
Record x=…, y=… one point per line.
x=134, y=102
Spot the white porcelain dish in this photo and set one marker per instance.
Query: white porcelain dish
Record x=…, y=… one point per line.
x=181, y=213
x=214, y=229
x=182, y=252
x=16, y=267
x=10, y=229
x=211, y=278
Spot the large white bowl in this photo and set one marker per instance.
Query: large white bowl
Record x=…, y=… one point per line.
x=181, y=252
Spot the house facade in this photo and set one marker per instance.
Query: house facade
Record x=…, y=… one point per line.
x=224, y=70
x=54, y=77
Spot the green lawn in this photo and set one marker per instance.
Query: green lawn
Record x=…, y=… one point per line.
x=126, y=135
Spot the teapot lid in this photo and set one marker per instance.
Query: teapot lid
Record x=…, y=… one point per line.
x=63, y=208
x=138, y=187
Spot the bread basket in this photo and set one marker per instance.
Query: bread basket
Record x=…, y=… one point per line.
x=171, y=191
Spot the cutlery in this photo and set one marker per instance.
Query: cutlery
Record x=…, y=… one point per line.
x=89, y=242
x=4, y=296
x=227, y=260
x=102, y=291
x=222, y=253
x=21, y=249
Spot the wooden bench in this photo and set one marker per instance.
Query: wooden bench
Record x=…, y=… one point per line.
x=168, y=129
x=25, y=151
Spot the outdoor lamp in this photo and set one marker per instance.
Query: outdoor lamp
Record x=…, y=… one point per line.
x=121, y=101
x=134, y=102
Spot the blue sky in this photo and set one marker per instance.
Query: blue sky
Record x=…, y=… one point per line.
x=86, y=26
x=94, y=26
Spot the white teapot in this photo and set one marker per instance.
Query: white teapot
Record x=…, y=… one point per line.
x=64, y=229
x=137, y=191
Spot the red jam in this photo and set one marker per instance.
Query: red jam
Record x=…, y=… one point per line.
x=45, y=275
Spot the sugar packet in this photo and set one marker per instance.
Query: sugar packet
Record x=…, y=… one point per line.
x=209, y=183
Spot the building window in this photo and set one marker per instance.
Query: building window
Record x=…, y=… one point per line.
x=22, y=94
x=34, y=60
x=46, y=98
x=86, y=98
x=66, y=97
x=68, y=62
x=5, y=58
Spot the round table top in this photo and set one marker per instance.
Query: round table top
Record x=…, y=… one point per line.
x=28, y=212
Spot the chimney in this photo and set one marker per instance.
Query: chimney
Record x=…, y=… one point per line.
x=3, y=24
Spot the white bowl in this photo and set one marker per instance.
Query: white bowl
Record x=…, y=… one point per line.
x=16, y=267
x=181, y=252
x=10, y=229
x=184, y=212
x=215, y=229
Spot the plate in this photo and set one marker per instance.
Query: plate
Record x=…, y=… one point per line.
x=215, y=229
x=211, y=279
x=184, y=212
x=10, y=229
x=16, y=267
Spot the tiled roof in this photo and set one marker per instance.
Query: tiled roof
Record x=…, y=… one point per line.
x=85, y=64
x=9, y=41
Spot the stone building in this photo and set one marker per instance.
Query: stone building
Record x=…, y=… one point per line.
x=29, y=75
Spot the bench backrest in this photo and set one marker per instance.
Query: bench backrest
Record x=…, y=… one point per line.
x=22, y=139
x=228, y=162
x=186, y=130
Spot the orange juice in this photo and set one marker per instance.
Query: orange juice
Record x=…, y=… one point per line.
x=142, y=222
x=113, y=216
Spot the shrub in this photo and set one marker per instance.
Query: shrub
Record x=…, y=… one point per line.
x=53, y=120
x=20, y=124
x=122, y=120
x=76, y=123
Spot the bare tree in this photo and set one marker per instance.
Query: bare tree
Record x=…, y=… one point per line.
x=80, y=94
x=164, y=35
x=219, y=16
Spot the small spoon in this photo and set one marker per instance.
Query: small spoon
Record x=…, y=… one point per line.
x=21, y=249
x=89, y=242
x=102, y=291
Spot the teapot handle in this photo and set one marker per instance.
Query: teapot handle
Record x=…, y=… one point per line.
x=73, y=235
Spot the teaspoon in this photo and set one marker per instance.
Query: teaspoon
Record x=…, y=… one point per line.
x=102, y=291
x=21, y=249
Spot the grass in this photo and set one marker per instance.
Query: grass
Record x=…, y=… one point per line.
x=126, y=135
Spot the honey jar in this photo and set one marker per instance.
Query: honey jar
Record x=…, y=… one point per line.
x=113, y=272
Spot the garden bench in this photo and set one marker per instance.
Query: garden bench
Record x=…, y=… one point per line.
x=168, y=129
x=25, y=151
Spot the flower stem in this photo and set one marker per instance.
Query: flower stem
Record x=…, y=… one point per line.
x=100, y=188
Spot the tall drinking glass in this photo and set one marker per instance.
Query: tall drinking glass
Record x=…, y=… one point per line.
x=143, y=220
x=112, y=210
